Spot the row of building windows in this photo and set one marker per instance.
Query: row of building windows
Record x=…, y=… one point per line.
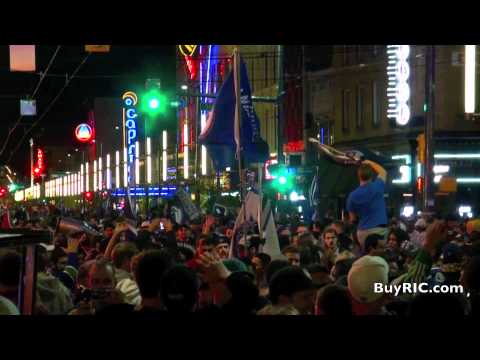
x=361, y=106
x=359, y=54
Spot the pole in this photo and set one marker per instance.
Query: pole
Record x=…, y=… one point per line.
x=304, y=107
x=260, y=193
x=280, y=107
x=197, y=170
x=31, y=162
x=429, y=125
x=238, y=118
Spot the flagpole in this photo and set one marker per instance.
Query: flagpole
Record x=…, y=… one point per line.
x=238, y=121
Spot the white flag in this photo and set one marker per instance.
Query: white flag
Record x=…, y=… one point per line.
x=272, y=245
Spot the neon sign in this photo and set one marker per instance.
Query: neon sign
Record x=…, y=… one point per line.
x=130, y=115
x=83, y=133
x=187, y=50
x=269, y=162
x=40, y=166
x=398, y=89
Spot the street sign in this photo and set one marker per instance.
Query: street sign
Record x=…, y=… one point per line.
x=28, y=107
x=97, y=48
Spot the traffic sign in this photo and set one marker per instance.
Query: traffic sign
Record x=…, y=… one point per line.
x=97, y=48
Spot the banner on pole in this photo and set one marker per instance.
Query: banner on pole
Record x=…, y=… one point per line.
x=22, y=58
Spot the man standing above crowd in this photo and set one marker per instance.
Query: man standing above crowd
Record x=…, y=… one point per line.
x=367, y=204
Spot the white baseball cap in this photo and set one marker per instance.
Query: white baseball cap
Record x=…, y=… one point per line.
x=363, y=275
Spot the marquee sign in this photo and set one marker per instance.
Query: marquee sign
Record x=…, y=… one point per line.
x=398, y=89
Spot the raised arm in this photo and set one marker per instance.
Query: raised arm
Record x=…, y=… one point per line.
x=381, y=172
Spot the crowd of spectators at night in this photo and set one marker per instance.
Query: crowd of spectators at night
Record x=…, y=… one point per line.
x=326, y=267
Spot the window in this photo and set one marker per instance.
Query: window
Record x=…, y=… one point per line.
x=266, y=58
x=350, y=55
x=252, y=75
x=345, y=109
x=331, y=133
x=362, y=53
x=376, y=104
x=361, y=95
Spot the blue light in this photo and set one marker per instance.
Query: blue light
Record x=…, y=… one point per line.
x=207, y=87
x=323, y=136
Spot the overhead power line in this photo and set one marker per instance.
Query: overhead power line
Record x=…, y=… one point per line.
x=69, y=79
x=15, y=125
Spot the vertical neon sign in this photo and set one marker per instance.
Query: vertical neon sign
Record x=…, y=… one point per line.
x=398, y=89
x=203, y=113
x=130, y=116
x=470, y=65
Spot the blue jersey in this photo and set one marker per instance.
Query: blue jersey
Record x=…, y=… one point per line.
x=368, y=204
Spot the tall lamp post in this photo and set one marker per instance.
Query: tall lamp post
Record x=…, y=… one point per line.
x=429, y=125
x=31, y=162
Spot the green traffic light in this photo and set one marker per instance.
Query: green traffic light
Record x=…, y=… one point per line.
x=13, y=187
x=154, y=102
x=284, y=180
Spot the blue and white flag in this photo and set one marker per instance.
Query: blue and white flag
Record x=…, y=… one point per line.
x=219, y=135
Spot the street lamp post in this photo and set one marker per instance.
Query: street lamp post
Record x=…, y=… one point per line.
x=31, y=162
x=429, y=125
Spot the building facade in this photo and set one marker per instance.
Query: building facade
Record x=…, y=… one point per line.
x=348, y=103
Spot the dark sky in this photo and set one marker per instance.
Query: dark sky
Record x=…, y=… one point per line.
x=102, y=75
x=130, y=66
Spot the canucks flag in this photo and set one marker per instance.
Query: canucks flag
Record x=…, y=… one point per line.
x=218, y=134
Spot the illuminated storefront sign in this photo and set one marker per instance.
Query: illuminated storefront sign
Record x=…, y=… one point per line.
x=83, y=133
x=130, y=116
x=398, y=89
x=470, y=75
x=187, y=50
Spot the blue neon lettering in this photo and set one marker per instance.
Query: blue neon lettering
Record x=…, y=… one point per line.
x=130, y=115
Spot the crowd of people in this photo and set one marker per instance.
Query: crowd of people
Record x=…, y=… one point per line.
x=328, y=267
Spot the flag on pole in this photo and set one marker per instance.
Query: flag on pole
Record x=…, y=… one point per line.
x=220, y=135
x=272, y=245
x=247, y=217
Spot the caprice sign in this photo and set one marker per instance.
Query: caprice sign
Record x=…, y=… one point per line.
x=398, y=89
x=130, y=115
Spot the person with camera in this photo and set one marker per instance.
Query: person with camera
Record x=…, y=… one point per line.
x=101, y=297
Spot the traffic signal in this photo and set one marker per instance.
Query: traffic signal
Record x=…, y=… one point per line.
x=420, y=182
x=3, y=191
x=88, y=196
x=284, y=178
x=154, y=102
x=13, y=187
x=421, y=148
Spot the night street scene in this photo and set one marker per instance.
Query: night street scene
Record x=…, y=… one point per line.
x=310, y=180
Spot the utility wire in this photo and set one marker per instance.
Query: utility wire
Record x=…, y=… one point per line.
x=15, y=125
x=69, y=79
